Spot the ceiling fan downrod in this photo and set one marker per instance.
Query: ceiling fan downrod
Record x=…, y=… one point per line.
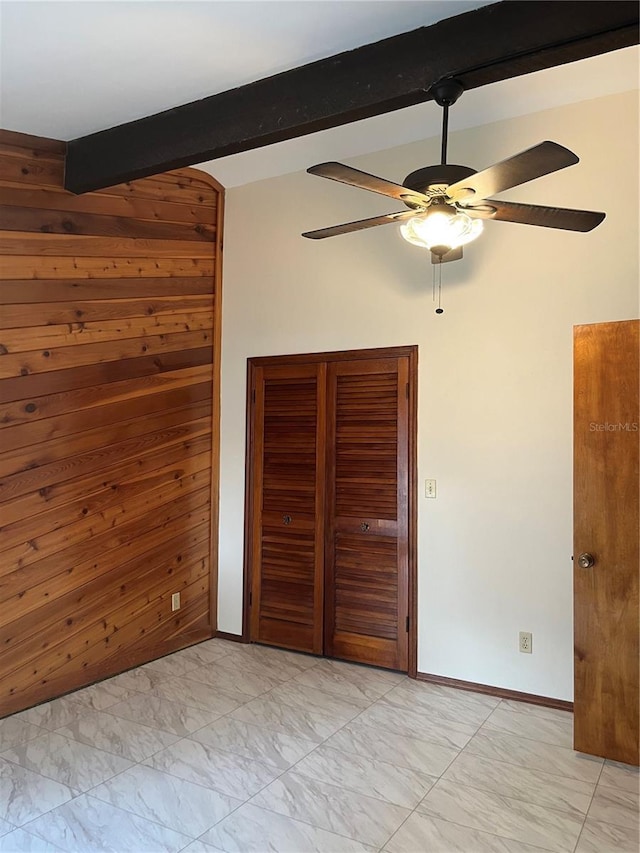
x=445, y=94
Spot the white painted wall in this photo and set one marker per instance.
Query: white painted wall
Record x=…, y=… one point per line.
x=495, y=371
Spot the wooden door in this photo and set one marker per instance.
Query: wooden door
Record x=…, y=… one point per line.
x=606, y=515
x=366, y=566
x=287, y=510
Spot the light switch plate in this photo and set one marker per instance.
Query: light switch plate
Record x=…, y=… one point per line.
x=429, y=488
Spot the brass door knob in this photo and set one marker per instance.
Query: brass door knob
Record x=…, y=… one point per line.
x=586, y=561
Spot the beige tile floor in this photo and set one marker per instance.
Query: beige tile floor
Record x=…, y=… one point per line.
x=246, y=749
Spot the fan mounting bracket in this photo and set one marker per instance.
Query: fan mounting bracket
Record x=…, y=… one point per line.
x=446, y=92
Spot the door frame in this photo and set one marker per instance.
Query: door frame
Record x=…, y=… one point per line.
x=410, y=352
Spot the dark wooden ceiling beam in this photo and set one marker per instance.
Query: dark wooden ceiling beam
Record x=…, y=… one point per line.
x=492, y=43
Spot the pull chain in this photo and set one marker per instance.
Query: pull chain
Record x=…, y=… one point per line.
x=440, y=309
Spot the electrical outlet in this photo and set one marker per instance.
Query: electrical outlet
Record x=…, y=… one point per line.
x=175, y=601
x=429, y=488
x=526, y=642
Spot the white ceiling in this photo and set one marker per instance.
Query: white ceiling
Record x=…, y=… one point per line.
x=71, y=68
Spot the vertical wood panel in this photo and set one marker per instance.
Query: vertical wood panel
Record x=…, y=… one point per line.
x=109, y=382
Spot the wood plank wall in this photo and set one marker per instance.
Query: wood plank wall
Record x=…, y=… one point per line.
x=109, y=370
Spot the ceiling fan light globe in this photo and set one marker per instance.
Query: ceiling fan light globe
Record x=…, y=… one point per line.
x=441, y=230
x=407, y=232
x=472, y=231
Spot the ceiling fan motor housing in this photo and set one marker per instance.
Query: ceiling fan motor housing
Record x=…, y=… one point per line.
x=433, y=180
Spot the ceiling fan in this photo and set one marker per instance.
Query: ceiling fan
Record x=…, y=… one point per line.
x=447, y=203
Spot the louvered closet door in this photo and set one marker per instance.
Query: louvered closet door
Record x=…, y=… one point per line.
x=288, y=506
x=366, y=572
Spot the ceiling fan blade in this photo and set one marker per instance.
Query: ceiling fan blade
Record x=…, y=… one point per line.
x=534, y=214
x=365, y=181
x=533, y=163
x=452, y=255
x=360, y=225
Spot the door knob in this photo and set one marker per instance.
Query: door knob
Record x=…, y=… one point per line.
x=586, y=561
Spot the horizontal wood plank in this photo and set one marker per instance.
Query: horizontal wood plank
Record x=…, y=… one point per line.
x=62, y=408
x=109, y=479
x=80, y=333
x=31, y=170
x=93, y=440
x=39, y=221
x=62, y=358
x=169, y=187
x=21, y=315
x=112, y=501
x=39, y=290
x=62, y=267
x=78, y=448
x=45, y=245
x=38, y=384
x=25, y=141
x=85, y=559
x=46, y=474
x=20, y=589
x=62, y=427
x=167, y=488
x=141, y=209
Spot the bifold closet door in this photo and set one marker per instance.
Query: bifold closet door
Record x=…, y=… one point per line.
x=366, y=540
x=287, y=494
